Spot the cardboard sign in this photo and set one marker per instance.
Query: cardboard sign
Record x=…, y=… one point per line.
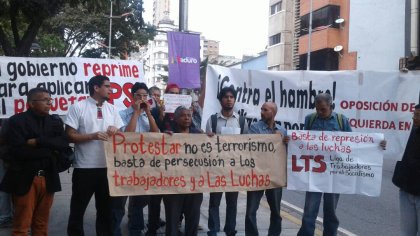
x=154, y=163
x=172, y=101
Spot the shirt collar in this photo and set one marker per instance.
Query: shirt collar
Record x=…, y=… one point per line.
x=234, y=115
x=265, y=126
x=91, y=100
x=328, y=118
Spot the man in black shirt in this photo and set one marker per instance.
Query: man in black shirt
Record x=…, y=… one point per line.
x=35, y=139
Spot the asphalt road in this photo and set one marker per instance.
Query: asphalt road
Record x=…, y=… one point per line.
x=364, y=215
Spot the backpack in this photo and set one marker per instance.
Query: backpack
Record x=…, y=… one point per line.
x=338, y=116
x=214, y=123
x=65, y=159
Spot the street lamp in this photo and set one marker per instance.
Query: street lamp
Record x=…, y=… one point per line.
x=110, y=26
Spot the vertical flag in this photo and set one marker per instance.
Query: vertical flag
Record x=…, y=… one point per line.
x=184, y=59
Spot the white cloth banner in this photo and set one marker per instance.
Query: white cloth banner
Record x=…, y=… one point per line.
x=335, y=162
x=377, y=102
x=66, y=78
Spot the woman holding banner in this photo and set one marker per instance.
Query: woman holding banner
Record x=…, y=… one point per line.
x=186, y=204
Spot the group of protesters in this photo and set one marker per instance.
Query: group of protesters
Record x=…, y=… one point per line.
x=35, y=139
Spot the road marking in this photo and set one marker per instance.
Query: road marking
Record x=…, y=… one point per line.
x=319, y=219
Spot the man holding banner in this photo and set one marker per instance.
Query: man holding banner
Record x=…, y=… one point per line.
x=225, y=122
x=88, y=124
x=137, y=118
x=323, y=120
x=266, y=125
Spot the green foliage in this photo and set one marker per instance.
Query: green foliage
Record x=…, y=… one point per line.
x=71, y=27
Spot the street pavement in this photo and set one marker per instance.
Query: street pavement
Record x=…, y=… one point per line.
x=60, y=212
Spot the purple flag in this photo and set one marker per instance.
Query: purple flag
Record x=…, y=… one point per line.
x=184, y=59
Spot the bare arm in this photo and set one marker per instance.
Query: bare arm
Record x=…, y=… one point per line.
x=76, y=137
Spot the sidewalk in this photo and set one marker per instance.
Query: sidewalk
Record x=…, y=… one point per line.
x=60, y=212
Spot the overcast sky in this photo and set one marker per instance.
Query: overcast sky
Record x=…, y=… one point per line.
x=241, y=26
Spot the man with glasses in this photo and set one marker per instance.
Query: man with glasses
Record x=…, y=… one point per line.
x=88, y=124
x=137, y=118
x=406, y=177
x=34, y=138
x=155, y=94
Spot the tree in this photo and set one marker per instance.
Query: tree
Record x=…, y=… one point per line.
x=20, y=21
x=74, y=27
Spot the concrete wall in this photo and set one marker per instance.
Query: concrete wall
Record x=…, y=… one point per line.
x=377, y=33
x=282, y=22
x=258, y=63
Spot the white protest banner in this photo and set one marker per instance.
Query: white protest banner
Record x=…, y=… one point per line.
x=334, y=162
x=153, y=163
x=172, y=101
x=374, y=102
x=66, y=78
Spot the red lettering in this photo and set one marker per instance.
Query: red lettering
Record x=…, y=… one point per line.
x=118, y=139
x=116, y=92
x=322, y=166
x=295, y=167
x=85, y=68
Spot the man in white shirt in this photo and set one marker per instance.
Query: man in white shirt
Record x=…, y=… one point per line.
x=88, y=124
x=225, y=122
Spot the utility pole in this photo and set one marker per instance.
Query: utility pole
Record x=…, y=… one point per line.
x=183, y=15
x=110, y=31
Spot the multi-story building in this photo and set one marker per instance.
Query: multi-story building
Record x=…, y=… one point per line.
x=328, y=41
x=155, y=55
x=210, y=48
x=345, y=35
x=281, y=25
x=160, y=10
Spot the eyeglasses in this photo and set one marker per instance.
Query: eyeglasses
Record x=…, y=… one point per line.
x=45, y=100
x=140, y=95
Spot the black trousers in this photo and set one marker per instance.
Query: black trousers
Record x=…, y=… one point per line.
x=178, y=204
x=87, y=182
x=154, y=214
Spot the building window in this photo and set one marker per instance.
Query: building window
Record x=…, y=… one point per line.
x=276, y=67
x=321, y=19
x=324, y=59
x=275, y=39
x=275, y=8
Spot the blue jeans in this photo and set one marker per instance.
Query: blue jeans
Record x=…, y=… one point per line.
x=231, y=209
x=253, y=199
x=410, y=214
x=135, y=214
x=312, y=202
x=5, y=201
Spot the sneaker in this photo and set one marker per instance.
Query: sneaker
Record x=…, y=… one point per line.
x=6, y=223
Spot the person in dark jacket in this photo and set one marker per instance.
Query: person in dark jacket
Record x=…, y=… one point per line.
x=188, y=205
x=406, y=177
x=35, y=139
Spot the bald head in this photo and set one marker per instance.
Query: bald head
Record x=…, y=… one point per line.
x=272, y=106
x=268, y=111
